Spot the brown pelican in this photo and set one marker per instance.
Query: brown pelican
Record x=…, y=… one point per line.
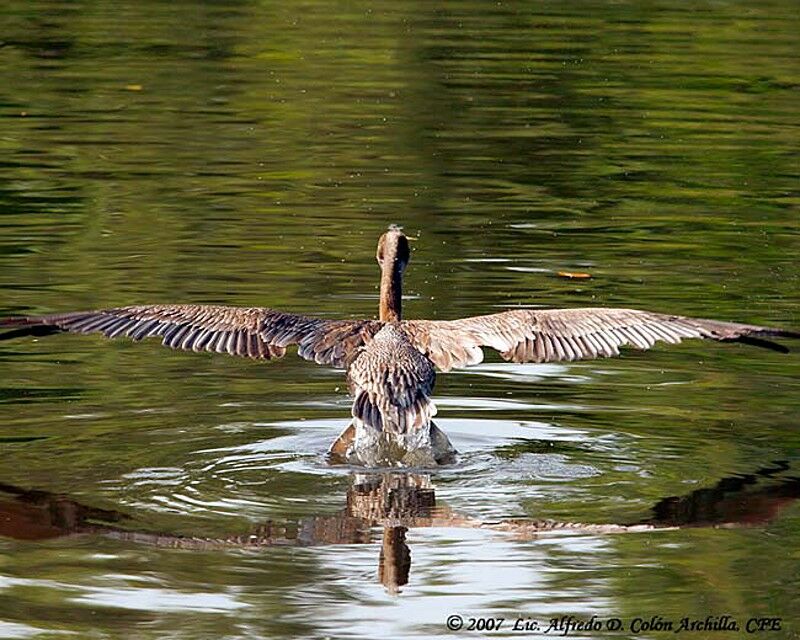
x=391, y=362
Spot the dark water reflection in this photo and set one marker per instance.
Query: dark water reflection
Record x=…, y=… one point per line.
x=250, y=153
x=397, y=502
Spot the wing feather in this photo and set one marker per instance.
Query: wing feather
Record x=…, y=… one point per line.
x=528, y=335
x=250, y=332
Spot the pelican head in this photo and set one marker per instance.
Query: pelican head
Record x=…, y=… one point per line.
x=393, y=251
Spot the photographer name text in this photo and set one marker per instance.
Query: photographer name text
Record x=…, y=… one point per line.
x=573, y=625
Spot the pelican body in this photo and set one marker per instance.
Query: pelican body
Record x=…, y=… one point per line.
x=391, y=362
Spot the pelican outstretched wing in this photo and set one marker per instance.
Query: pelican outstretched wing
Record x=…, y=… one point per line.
x=251, y=332
x=529, y=335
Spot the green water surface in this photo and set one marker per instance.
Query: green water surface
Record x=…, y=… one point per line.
x=250, y=152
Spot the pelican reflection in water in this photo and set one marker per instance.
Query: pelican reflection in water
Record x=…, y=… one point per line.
x=395, y=502
x=391, y=362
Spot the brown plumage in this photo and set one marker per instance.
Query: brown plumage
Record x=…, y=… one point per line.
x=390, y=361
x=527, y=335
x=392, y=382
x=240, y=331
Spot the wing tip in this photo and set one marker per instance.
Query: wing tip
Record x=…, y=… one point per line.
x=761, y=342
x=21, y=326
x=755, y=336
x=14, y=321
